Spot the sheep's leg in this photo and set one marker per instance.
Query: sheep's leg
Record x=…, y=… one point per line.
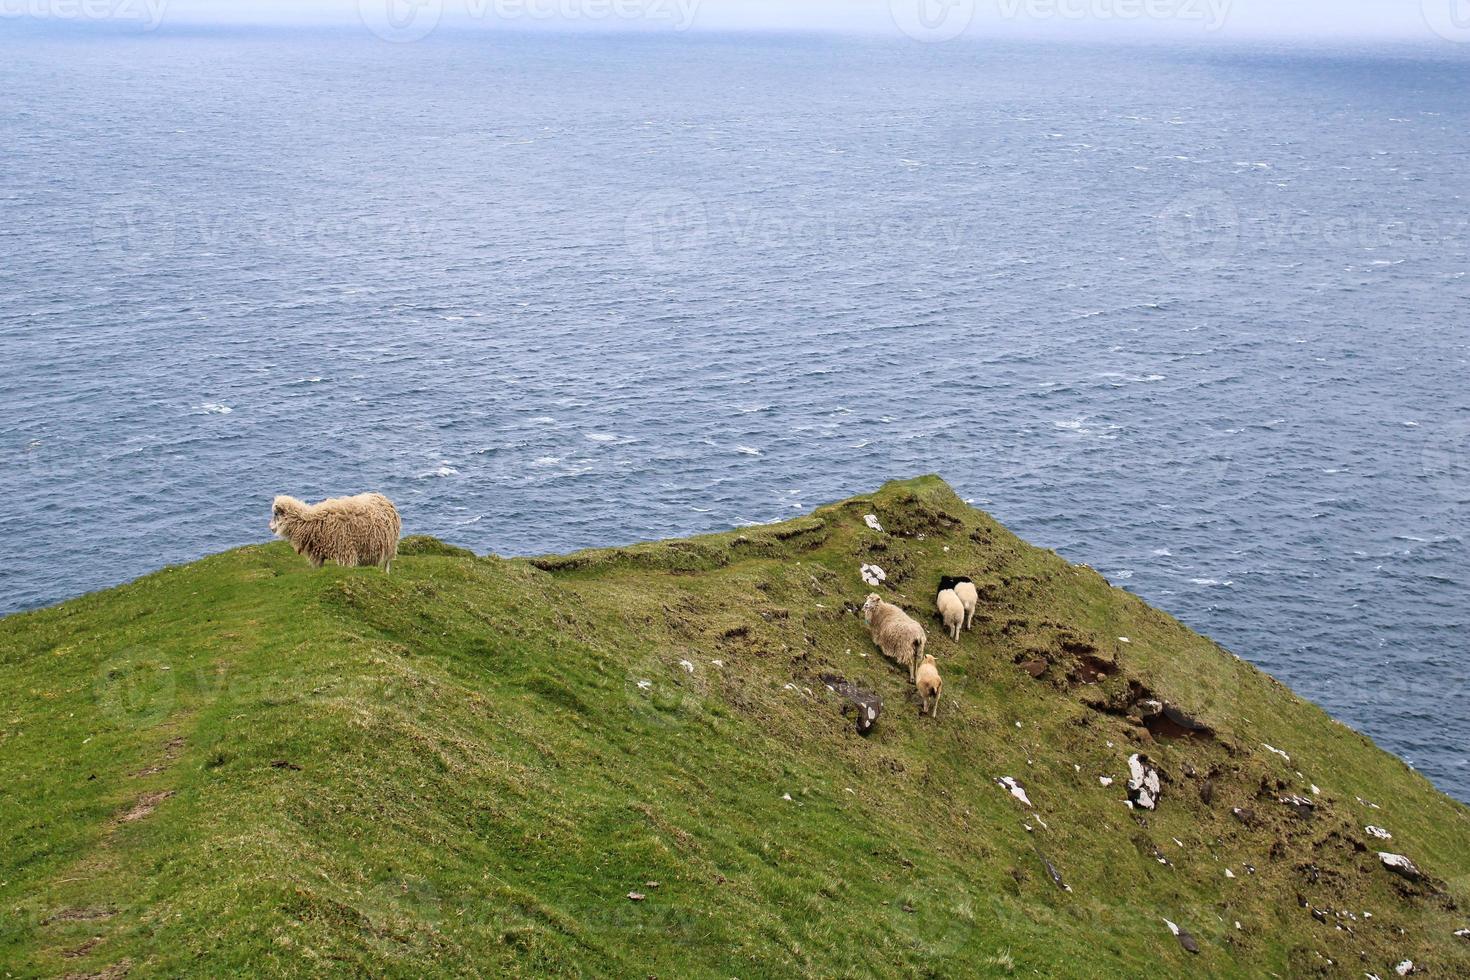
x=935, y=713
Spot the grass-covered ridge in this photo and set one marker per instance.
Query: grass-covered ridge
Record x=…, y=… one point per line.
x=246, y=767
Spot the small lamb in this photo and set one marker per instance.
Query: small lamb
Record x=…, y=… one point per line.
x=897, y=635
x=952, y=611
x=930, y=686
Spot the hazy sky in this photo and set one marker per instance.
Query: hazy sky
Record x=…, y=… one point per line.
x=927, y=20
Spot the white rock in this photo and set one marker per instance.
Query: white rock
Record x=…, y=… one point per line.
x=1378, y=832
x=1143, y=783
x=1172, y=927
x=1124, y=639
x=1405, y=968
x=644, y=685
x=872, y=521
x=1399, y=864
x=873, y=575
x=688, y=667
x=1105, y=780
x=1272, y=748
x=1015, y=788
x=718, y=663
x=1229, y=873
x=786, y=797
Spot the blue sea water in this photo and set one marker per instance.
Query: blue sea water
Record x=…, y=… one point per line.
x=1196, y=317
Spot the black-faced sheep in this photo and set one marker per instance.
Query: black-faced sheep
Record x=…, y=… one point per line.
x=930, y=686
x=351, y=531
x=898, y=636
x=952, y=611
x=963, y=587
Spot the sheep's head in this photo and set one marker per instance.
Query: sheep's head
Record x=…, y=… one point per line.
x=282, y=508
x=868, y=607
x=928, y=660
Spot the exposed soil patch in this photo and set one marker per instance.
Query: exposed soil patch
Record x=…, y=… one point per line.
x=1173, y=722
x=1091, y=669
x=144, y=806
x=80, y=915
x=116, y=971
x=83, y=949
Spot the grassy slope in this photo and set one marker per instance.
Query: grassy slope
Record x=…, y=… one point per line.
x=483, y=780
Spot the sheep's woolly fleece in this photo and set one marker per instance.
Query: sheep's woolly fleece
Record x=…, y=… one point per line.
x=360, y=530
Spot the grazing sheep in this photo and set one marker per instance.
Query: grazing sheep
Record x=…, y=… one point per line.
x=930, y=686
x=899, y=637
x=360, y=530
x=952, y=611
x=964, y=587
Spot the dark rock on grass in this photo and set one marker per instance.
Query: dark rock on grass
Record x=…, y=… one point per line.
x=1053, y=873
x=1036, y=667
x=1300, y=805
x=864, y=706
x=1185, y=939
x=1245, y=815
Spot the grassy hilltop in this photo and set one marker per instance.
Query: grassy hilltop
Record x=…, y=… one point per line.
x=246, y=767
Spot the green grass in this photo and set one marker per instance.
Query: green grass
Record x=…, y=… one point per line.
x=483, y=778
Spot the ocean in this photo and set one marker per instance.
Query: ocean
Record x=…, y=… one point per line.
x=1196, y=316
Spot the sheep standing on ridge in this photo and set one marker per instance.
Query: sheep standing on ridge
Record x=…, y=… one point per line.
x=930, y=686
x=899, y=637
x=963, y=587
x=351, y=531
x=952, y=611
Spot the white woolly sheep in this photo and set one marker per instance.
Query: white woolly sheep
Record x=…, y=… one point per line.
x=351, y=531
x=963, y=587
x=898, y=636
x=970, y=597
x=930, y=686
x=952, y=611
